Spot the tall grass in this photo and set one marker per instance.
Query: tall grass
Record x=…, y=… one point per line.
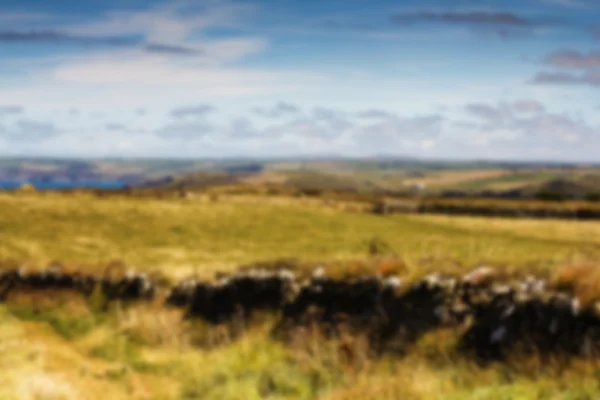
x=180, y=236
x=68, y=348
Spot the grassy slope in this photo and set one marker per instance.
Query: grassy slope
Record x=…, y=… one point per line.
x=146, y=352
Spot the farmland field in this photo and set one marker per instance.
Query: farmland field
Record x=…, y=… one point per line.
x=147, y=352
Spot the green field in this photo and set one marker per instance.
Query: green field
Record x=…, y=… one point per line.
x=68, y=350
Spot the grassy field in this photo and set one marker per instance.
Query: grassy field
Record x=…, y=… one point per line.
x=187, y=233
x=62, y=348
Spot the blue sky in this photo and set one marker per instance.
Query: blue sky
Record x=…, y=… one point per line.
x=434, y=79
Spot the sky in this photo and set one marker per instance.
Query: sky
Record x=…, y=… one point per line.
x=433, y=79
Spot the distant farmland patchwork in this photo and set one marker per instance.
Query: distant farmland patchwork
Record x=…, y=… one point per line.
x=361, y=176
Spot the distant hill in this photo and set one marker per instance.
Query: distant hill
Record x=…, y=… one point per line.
x=377, y=175
x=362, y=177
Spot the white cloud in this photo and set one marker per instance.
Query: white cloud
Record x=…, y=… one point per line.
x=520, y=135
x=29, y=130
x=538, y=134
x=172, y=23
x=319, y=132
x=192, y=111
x=11, y=110
x=396, y=106
x=225, y=51
x=132, y=77
x=186, y=131
x=109, y=84
x=528, y=105
x=280, y=109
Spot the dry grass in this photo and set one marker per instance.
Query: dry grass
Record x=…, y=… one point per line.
x=154, y=325
x=128, y=355
x=574, y=231
x=37, y=364
x=183, y=236
x=67, y=350
x=410, y=382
